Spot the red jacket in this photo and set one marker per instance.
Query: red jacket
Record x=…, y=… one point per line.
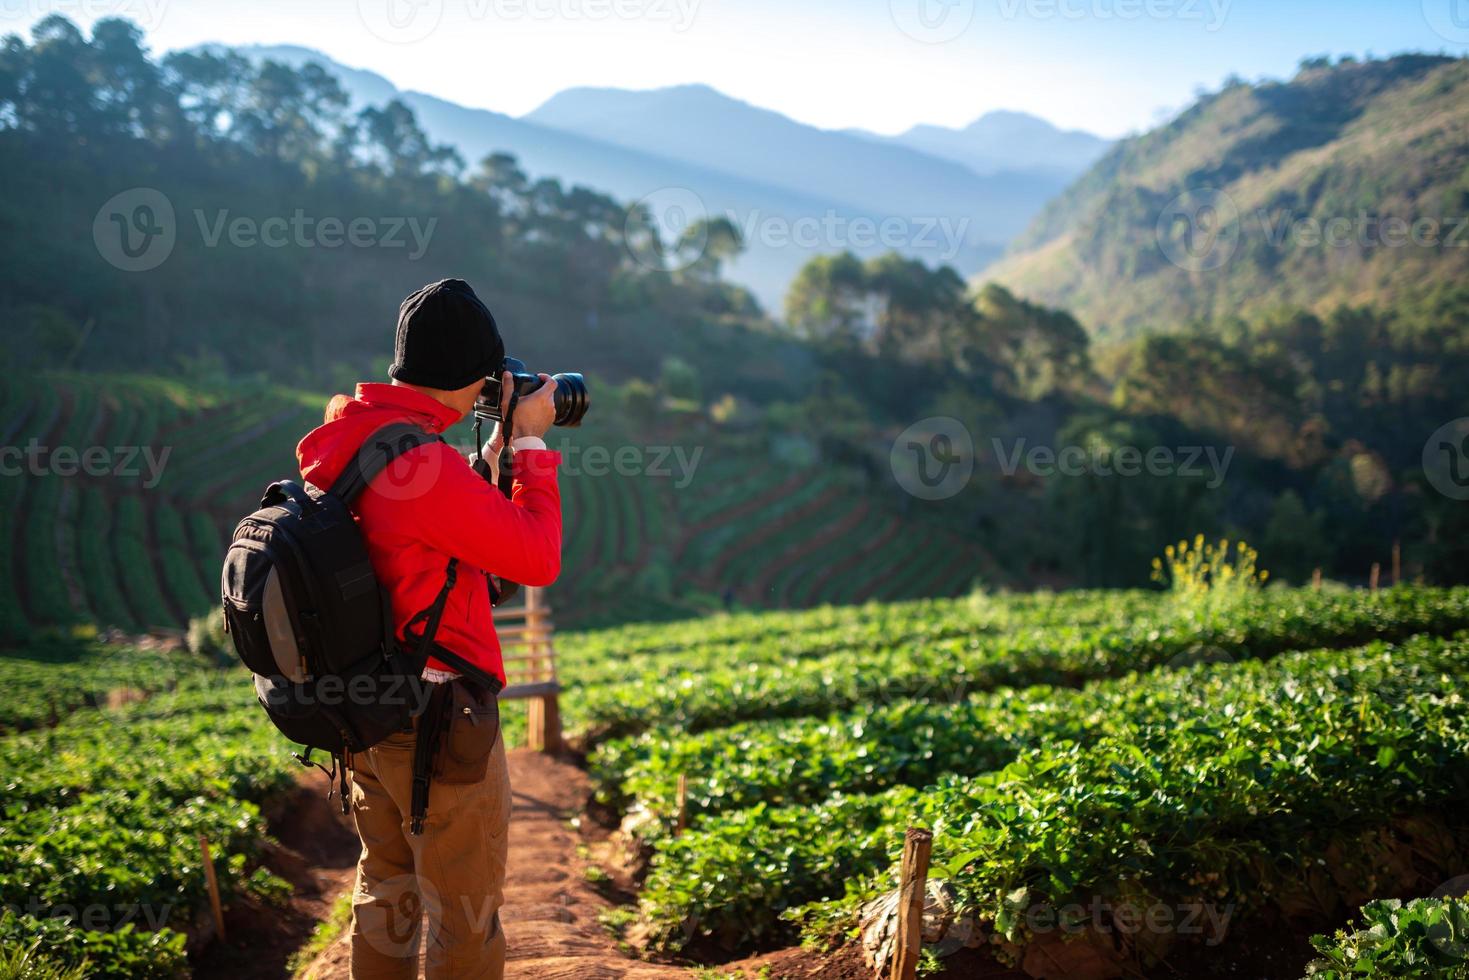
x=429, y=506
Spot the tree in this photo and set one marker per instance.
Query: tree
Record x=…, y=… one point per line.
x=398, y=145
x=828, y=303
x=711, y=242
x=1295, y=540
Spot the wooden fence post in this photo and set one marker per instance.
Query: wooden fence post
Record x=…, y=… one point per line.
x=543, y=713
x=1316, y=580
x=213, y=884
x=1376, y=574
x=683, y=803
x=912, y=896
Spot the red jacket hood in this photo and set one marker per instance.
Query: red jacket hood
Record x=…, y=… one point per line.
x=324, y=452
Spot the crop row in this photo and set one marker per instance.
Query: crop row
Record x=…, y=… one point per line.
x=775, y=635
x=786, y=762
x=1259, y=771
x=717, y=490
x=1262, y=626
x=725, y=541
x=135, y=564
x=103, y=815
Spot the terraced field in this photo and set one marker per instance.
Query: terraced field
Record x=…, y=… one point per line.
x=1279, y=757
x=133, y=539
x=1276, y=760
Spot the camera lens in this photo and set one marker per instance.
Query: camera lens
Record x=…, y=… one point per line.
x=572, y=399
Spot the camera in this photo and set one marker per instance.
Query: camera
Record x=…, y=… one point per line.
x=571, y=396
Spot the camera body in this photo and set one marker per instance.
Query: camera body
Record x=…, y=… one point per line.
x=571, y=398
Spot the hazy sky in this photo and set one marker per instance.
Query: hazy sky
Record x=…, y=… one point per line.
x=1110, y=66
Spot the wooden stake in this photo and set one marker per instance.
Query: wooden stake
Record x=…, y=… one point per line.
x=913, y=894
x=683, y=804
x=1316, y=580
x=1376, y=574
x=543, y=714
x=213, y=884
x=1397, y=561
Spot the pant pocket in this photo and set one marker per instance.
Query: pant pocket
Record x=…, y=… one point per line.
x=473, y=726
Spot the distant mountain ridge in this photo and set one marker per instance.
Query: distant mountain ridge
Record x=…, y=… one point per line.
x=778, y=179
x=697, y=125
x=1005, y=140
x=1276, y=195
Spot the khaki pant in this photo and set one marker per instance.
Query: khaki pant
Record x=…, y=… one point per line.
x=454, y=870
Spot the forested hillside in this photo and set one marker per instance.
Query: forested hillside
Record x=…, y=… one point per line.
x=795, y=431
x=1348, y=184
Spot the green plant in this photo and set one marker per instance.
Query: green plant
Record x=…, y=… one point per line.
x=337, y=922
x=1427, y=937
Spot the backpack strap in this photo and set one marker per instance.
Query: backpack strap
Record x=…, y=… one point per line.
x=381, y=448
x=430, y=616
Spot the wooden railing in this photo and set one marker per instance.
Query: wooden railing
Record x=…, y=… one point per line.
x=526, y=644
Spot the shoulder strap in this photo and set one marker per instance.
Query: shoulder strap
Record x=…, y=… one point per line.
x=380, y=449
x=430, y=617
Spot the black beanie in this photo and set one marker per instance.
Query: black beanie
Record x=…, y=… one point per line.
x=447, y=338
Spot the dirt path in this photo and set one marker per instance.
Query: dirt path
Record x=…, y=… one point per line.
x=550, y=913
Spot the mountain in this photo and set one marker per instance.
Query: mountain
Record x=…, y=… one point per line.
x=795, y=191
x=1294, y=194
x=697, y=125
x=1003, y=140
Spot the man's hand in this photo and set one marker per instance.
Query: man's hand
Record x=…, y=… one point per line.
x=534, y=413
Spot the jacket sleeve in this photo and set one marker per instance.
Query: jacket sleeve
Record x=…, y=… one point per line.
x=466, y=518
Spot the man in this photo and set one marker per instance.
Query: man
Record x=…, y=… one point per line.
x=427, y=507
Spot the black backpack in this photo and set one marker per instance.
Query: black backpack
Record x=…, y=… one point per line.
x=309, y=618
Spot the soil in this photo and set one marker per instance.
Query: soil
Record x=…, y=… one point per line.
x=317, y=854
x=551, y=909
